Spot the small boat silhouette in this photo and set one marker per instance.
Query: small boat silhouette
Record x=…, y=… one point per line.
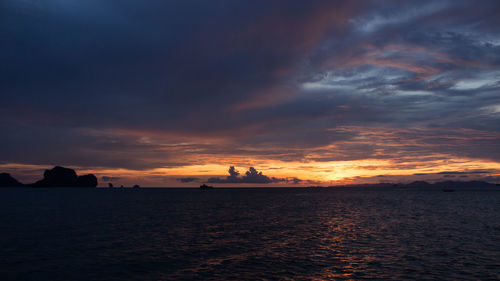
x=204, y=186
x=448, y=190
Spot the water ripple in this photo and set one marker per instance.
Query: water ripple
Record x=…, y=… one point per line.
x=249, y=234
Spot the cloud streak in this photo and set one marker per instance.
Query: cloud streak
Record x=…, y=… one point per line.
x=165, y=85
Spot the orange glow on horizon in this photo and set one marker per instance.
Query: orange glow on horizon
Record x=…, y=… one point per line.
x=325, y=173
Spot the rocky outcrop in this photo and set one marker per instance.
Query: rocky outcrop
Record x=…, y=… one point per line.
x=59, y=177
x=86, y=181
x=65, y=177
x=6, y=180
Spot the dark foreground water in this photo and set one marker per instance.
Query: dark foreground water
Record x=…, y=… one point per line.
x=249, y=234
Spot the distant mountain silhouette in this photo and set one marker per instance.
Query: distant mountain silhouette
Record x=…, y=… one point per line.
x=424, y=184
x=463, y=184
x=418, y=184
x=65, y=177
x=6, y=180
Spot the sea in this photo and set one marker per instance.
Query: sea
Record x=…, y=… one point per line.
x=249, y=234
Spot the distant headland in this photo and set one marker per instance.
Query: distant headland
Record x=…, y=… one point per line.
x=55, y=177
x=66, y=177
x=419, y=184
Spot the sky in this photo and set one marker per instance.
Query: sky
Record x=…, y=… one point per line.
x=251, y=93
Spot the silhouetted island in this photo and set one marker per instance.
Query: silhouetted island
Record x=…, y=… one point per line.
x=135, y=186
x=55, y=177
x=65, y=177
x=86, y=181
x=6, y=180
x=204, y=186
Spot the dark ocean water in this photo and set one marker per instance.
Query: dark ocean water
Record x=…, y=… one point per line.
x=249, y=234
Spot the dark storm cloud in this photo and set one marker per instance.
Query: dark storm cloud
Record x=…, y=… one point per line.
x=251, y=176
x=188, y=179
x=136, y=65
x=282, y=80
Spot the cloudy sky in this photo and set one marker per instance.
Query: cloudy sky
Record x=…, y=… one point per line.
x=173, y=93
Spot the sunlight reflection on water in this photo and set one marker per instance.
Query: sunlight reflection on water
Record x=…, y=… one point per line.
x=285, y=234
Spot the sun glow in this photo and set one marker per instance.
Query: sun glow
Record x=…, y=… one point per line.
x=322, y=173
